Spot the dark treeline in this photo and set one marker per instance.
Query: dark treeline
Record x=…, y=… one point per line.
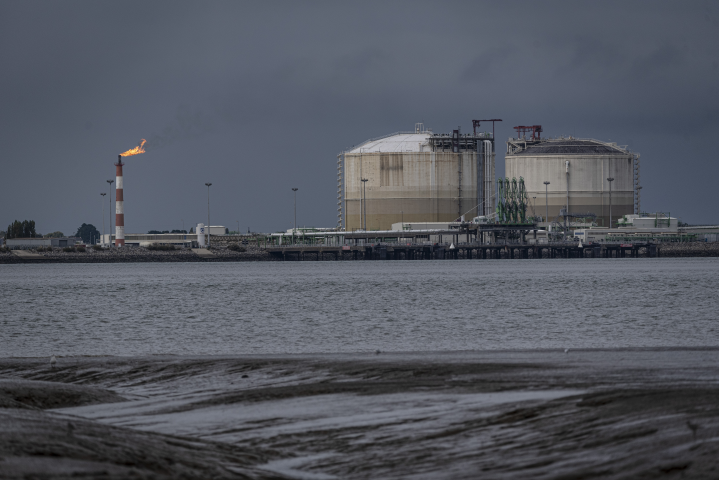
x=24, y=229
x=88, y=233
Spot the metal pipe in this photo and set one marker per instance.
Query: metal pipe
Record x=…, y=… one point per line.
x=480, y=176
x=360, y=192
x=364, y=193
x=488, y=176
x=566, y=165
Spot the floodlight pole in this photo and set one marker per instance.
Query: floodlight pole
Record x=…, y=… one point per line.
x=364, y=194
x=103, y=215
x=610, y=180
x=110, y=182
x=546, y=199
x=294, y=231
x=208, y=213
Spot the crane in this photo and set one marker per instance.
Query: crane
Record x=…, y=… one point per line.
x=475, y=124
x=535, y=130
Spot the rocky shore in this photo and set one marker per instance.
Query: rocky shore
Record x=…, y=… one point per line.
x=141, y=254
x=254, y=253
x=690, y=249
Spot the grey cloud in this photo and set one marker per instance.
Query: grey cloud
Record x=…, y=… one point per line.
x=269, y=92
x=666, y=60
x=360, y=63
x=488, y=64
x=188, y=124
x=592, y=54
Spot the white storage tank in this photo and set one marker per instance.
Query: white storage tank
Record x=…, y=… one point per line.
x=201, y=235
x=577, y=171
x=416, y=177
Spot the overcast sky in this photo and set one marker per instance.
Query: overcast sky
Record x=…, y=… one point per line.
x=260, y=97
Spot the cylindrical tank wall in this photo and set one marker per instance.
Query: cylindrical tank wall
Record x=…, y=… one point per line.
x=201, y=234
x=588, y=185
x=409, y=186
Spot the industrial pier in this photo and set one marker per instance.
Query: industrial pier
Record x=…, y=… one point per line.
x=388, y=251
x=462, y=243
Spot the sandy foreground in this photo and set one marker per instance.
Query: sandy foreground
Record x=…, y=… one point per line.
x=533, y=414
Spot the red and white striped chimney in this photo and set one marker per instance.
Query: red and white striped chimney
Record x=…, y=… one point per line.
x=119, y=205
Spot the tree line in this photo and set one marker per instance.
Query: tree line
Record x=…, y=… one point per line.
x=24, y=229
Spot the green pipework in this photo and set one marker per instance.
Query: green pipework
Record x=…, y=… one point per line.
x=511, y=200
x=523, y=200
x=500, y=201
x=508, y=210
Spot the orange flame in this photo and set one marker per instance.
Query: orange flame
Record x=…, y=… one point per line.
x=136, y=150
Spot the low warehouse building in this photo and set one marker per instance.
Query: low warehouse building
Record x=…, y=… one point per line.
x=35, y=242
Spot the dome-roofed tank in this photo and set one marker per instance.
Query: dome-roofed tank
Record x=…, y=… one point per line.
x=414, y=177
x=577, y=171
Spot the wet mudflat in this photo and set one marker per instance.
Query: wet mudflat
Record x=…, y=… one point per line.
x=513, y=414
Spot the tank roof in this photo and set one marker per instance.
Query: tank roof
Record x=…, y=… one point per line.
x=396, y=142
x=569, y=146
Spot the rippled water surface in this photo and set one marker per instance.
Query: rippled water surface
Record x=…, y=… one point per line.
x=292, y=307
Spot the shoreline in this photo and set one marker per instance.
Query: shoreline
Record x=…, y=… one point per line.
x=404, y=354
x=259, y=254
x=614, y=413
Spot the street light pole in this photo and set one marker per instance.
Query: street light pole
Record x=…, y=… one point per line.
x=208, y=213
x=294, y=230
x=103, y=215
x=546, y=199
x=610, y=180
x=110, y=182
x=364, y=194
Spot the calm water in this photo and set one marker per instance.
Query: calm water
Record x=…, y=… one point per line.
x=236, y=308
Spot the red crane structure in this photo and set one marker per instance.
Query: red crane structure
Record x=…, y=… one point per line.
x=475, y=124
x=535, y=130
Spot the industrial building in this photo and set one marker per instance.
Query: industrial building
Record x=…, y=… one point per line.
x=657, y=227
x=416, y=177
x=579, y=175
x=176, y=239
x=145, y=240
x=35, y=242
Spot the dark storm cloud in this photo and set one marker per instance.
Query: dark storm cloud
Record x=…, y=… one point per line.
x=188, y=124
x=489, y=64
x=258, y=97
